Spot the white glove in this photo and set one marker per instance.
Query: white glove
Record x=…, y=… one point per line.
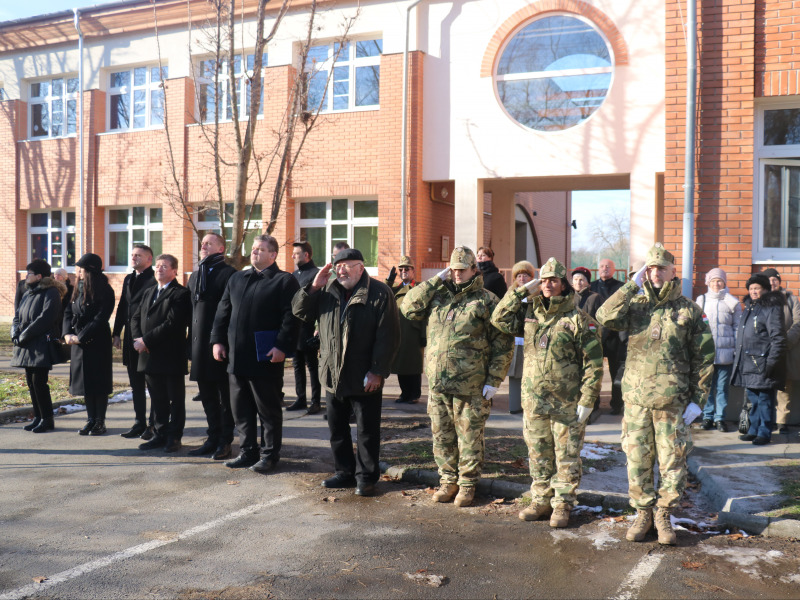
x=638, y=277
x=691, y=413
x=444, y=275
x=489, y=391
x=583, y=413
x=533, y=286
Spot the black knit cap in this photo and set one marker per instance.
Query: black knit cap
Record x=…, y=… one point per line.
x=91, y=262
x=39, y=266
x=770, y=273
x=760, y=279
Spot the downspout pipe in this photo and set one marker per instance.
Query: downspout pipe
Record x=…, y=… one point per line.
x=80, y=244
x=404, y=135
x=687, y=273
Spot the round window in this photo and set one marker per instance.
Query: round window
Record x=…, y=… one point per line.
x=554, y=73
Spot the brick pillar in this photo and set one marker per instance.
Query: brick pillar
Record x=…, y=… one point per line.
x=13, y=222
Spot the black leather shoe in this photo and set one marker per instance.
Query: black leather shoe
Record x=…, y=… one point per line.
x=223, y=451
x=173, y=445
x=135, y=431
x=314, y=408
x=760, y=441
x=208, y=447
x=401, y=400
x=32, y=425
x=99, y=428
x=148, y=433
x=339, y=481
x=747, y=437
x=616, y=410
x=86, y=428
x=365, y=489
x=708, y=424
x=265, y=465
x=245, y=460
x=720, y=426
x=44, y=426
x=297, y=405
x=155, y=442
x=783, y=429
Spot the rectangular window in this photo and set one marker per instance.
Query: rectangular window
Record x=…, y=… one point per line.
x=52, y=237
x=323, y=223
x=354, y=80
x=128, y=226
x=208, y=222
x=136, y=98
x=54, y=108
x=217, y=103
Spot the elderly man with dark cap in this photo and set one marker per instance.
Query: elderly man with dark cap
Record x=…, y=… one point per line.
x=408, y=362
x=585, y=299
x=468, y=358
x=791, y=325
x=669, y=365
x=358, y=334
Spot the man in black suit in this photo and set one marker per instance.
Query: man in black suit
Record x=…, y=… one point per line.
x=307, y=353
x=254, y=329
x=206, y=286
x=133, y=288
x=159, y=336
x=613, y=341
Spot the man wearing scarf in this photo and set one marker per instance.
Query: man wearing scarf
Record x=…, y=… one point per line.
x=206, y=286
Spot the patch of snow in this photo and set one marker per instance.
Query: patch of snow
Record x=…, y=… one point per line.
x=602, y=538
x=69, y=408
x=596, y=451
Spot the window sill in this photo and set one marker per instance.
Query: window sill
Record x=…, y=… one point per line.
x=124, y=131
x=358, y=109
x=45, y=139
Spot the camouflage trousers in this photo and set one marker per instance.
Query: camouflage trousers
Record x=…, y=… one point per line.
x=648, y=434
x=457, y=424
x=554, y=452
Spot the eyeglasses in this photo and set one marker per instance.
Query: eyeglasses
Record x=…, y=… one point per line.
x=404, y=268
x=347, y=267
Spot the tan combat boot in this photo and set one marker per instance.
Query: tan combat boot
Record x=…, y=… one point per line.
x=666, y=535
x=560, y=516
x=535, y=512
x=640, y=527
x=445, y=493
x=465, y=496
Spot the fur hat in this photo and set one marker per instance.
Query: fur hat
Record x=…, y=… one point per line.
x=760, y=279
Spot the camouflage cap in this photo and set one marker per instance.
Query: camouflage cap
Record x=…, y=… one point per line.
x=462, y=258
x=552, y=268
x=658, y=256
x=405, y=261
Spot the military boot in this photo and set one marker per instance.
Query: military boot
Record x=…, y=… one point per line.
x=445, y=493
x=560, y=516
x=535, y=512
x=666, y=535
x=640, y=527
x=465, y=496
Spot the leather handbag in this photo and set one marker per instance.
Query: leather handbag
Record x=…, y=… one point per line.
x=744, y=419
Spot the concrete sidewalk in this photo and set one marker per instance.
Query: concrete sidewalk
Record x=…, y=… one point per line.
x=740, y=480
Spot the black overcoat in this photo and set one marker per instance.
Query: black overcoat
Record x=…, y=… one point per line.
x=253, y=302
x=204, y=308
x=761, y=344
x=305, y=274
x=133, y=288
x=36, y=322
x=162, y=326
x=90, y=360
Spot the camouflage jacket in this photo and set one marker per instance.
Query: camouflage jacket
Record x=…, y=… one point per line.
x=563, y=354
x=670, y=348
x=464, y=351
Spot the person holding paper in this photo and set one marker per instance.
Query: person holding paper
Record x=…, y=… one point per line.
x=255, y=330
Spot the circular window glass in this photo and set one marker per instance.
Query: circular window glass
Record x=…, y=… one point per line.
x=554, y=73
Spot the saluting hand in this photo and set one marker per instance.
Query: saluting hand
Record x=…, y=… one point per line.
x=322, y=277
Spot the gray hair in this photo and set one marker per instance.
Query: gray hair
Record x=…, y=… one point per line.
x=271, y=242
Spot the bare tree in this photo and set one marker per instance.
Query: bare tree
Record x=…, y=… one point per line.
x=261, y=161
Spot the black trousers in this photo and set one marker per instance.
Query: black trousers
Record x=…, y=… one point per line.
x=168, y=399
x=139, y=391
x=410, y=386
x=96, y=406
x=36, y=378
x=216, y=399
x=301, y=360
x=259, y=398
x=364, y=463
x=614, y=365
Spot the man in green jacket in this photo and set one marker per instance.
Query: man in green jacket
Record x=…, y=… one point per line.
x=561, y=381
x=467, y=361
x=666, y=381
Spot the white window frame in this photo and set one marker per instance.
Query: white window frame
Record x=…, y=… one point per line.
x=347, y=59
x=212, y=225
x=785, y=155
x=242, y=85
x=65, y=230
x=148, y=228
x=351, y=222
x=149, y=87
x=49, y=100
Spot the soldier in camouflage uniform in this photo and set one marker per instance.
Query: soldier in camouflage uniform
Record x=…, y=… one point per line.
x=466, y=363
x=666, y=381
x=561, y=380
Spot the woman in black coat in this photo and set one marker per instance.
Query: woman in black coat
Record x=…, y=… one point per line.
x=493, y=280
x=87, y=331
x=33, y=332
x=758, y=365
